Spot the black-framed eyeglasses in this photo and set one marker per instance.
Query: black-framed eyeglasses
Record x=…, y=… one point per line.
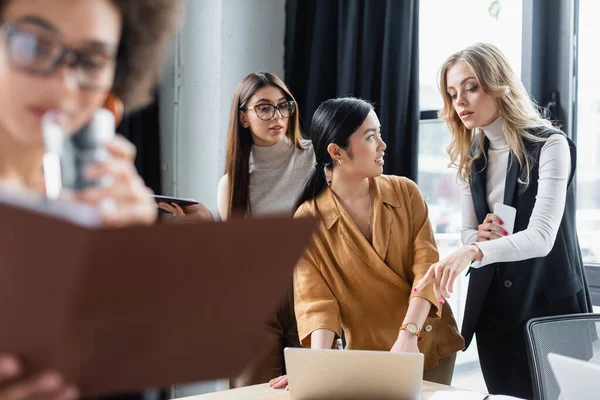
x=37, y=52
x=267, y=111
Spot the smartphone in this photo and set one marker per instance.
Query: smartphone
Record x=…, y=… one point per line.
x=66, y=156
x=507, y=214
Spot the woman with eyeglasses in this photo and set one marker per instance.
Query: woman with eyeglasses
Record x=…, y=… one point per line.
x=67, y=56
x=267, y=164
x=267, y=159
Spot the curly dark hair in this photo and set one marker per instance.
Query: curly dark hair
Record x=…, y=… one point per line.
x=147, y=28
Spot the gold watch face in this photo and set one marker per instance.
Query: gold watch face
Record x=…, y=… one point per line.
x=412, y=328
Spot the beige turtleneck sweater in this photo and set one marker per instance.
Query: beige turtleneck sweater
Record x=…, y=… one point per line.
x=277, y=176
x=538, y=239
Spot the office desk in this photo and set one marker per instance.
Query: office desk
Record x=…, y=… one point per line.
x=264, y=392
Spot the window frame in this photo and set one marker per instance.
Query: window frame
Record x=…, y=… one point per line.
x=428, y=115
x=592, y=270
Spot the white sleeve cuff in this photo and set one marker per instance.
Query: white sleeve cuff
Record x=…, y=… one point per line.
x=487, y=249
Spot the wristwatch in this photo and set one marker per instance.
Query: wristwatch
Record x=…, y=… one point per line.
x=411, y=328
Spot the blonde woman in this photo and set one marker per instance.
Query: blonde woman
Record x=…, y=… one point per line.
x=505, y=152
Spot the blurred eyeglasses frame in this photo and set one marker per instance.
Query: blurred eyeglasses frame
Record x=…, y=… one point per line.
x=74, y=59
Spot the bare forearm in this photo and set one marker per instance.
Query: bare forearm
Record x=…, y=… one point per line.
x=322, y=339
x=418, y=310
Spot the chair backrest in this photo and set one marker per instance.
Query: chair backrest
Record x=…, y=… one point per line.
x=572, y=335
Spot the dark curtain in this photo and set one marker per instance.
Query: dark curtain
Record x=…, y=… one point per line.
x=364, y=48
x=142, y=128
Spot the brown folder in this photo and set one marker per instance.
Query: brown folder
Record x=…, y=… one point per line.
x=118, y=310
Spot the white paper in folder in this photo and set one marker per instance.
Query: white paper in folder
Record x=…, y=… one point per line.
x=76, y=213
x=466, y=395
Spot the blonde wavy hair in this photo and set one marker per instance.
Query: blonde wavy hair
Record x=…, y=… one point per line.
x=521, y=114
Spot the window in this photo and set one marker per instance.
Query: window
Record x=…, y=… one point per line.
x=446, y=27
x=588, y=133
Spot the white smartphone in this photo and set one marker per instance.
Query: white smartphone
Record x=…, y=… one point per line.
x=507, y=214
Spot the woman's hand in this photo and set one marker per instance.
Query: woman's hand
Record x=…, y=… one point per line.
x=193, y=213
x=406, y=343
x=47, y=385
x=122, y=196
x=490, y=230
x=443, y=273
x=281, y=382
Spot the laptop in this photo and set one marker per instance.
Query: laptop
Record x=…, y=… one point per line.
x=353, y=374
x=577, y=379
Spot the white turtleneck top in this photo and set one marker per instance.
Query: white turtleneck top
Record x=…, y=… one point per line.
x=538, y=239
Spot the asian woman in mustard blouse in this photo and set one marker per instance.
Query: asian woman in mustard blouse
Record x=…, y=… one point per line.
x=374, y=243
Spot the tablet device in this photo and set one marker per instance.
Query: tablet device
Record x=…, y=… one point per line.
x=177, y=200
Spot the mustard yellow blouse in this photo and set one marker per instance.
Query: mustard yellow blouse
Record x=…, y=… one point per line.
x=342, y=281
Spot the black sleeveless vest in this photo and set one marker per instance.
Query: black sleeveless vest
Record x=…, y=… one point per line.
x=551, y=285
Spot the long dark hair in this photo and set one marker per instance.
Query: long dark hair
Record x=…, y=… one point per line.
x=239, y=139
x=333, y=122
